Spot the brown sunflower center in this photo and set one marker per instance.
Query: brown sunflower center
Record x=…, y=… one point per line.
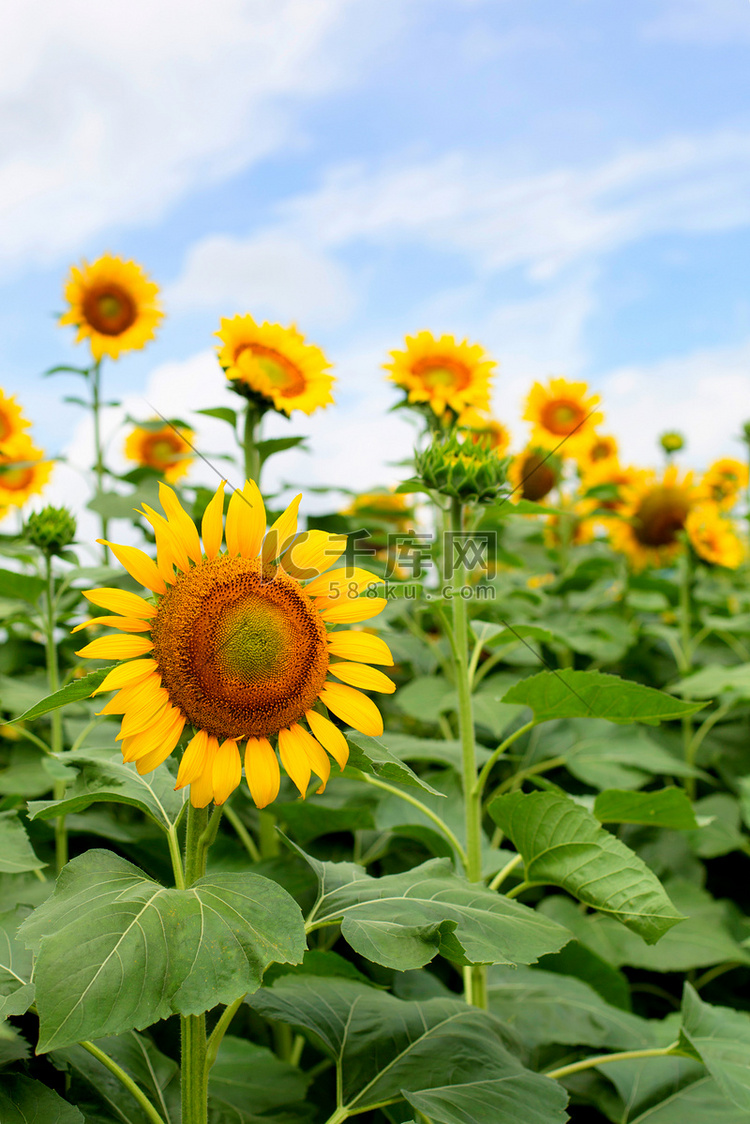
x=14, y=478
x=109, y=309
x=661, y=516
x=441, y=372
x=160, y=450
x=284, y=375
x=562, y=415
x=538, y=479
x=241, y=654
x=600, y=450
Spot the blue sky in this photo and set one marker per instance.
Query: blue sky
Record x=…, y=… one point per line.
x=567, y=181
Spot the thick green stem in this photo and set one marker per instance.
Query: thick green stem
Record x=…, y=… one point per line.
x=126, y=1080
x=250, y=444
x=624, y=1056
x=193, y=1027
x=99, y=469
x=477, y=989
x=53, y=682
x=686, y=649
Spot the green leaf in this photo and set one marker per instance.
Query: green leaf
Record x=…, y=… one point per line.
x=720, y=1038
x=104, y=777
x=247, y=1080
x=371, y=755
x=16, y=853
x=16, y=993
x=135, y=952
x=404, y=920
x=715, y=679
x=22, y=587
x=544, y=1007
x=701, y=1102
x=446, y=1059
x=223, y=413
x=723, y=834
x=113, y=505
x=74, y=691
x=446, y=751
x=667, y=807
x=424, y=698
x=626, y=757
x=590, y=694
x=23, y=1101
x=273, y=445
x=563, y=845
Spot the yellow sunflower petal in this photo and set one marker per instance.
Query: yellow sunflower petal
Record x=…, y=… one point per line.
x=212, y=523
x=116, y=648
x=127, y=624
x=347, y=581
x=227, y=771
x=181, y=523
x=355, y=611
x=312, y=552
x=120, y=601
x=362, y=647
x=157, y=756
x=193, y=759
x=126, y=674
x=141, y=717
x=295, y=760
x=150, y=738
x=244, y=516
x=133, y=695
x=138, y=565
x=316, y=755
x=329, y=736
x=168, y=541
x=284, y=529
x=353, y=708
x=202, y=789
x=359, y=675
x=261, y=771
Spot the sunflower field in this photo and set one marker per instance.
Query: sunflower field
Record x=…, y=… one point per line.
x=430, y=809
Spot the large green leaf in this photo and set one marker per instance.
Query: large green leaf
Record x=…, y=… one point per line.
x=16, y=853
x=625, y=757
x=23, y=587
x=720, y=1038
x=74, y=691
x=135, y=952
x=444, y=751
x=722, y=834
x=716, y=679
x=371, y=755
x=404, y=920
x=247, y=1080
x=544, y=1007
x=16, y=993
x=104, y=777
x=23, y=1101
x=700, y=1102
x=446, y=1059
x=563, y=845
x=667, y=807
x=590, y=694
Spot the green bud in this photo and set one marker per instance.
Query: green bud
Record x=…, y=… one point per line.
x=462, y=469
x=672, y=442
x=51, y=529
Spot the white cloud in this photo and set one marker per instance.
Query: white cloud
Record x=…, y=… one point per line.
x=705, y=22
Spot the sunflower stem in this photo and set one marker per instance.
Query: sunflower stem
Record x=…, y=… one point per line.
x=250, y=443
x=99, y=469
x=53, y=682
x=193, y=1027
x=686, y=652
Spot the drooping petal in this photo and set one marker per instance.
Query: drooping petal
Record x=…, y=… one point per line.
x=120, y=601
x=227, y=771
x=193, y=759
x=359, y=675
x=312, y=552
x=211, y=526
x=116, y=648
x=126, y=674
x=181, y=523
x=138, y=565
x=362, y=647
x=202, y=789
x=341, y=583
x=157, y=756
x=281, y=532
x=261, y=771
x=355, y=611
x=127, y=624
x=316, y=755
x=353, y=707
x=295, y=760
x=329, y=736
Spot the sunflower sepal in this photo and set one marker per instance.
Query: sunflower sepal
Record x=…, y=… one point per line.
x=462, y=470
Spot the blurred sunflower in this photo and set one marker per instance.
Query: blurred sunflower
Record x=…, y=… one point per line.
x=164, y=449
x=12, y=421
x=609, y=481
x=562, y=408
x=486, y=431
x=713, y=537
x=534, y=473
x=274, y=365
x=23, y=470
x=723, y=481
x=592, y=450
x=239, y=649
x=655, y=511
x=113, y=304
x=443, y=374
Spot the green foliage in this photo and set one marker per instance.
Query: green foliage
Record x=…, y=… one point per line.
x=72, y=692
x=23, y=1101
x=16, y=852
x=590, y=694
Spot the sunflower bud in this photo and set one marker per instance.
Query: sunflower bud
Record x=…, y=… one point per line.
x=51, y=529
x=672, y=442
x=462, y=469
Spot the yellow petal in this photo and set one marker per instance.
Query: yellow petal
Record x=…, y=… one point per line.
x=194, y=759
x=227, y=771
x=202, y=789
x=181, y=523
x=316, y=755
x=233, y=532
x=295, y=761
x=359, y=675
x=144, y=718
x=120, y=601
x=116, y=648
x=133, y=695
x=138, y=565
x=362, y=647
x=353, y=708
x=168, y=542
x=211, y=526
x=312, y=552
x=127, y=624
x=329, y=736
x=285, y=528
x=353, y=612
x=151, y=760
x=126, y=674
x=261, y=771
x=149, y=739
x=345, y=582
x=252, y=520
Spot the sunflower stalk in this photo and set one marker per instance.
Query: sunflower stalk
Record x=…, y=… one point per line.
x=53, y=682
x=194, y=1071
x=99, y=469
x=250, y=452
x=686, y=651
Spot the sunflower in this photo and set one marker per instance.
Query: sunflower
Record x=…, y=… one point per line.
x=443, y=374
x=562, y=408
x=166, y=449
x=113, y=304
x=274, y=365
x=235, y=647
x=12, y=421
x=723, y=481
x=655, y=511
x=23, y=471
x=592, y=450
x=611, y=482
x=712, y=536
x=534, y=473
x=486, y=431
